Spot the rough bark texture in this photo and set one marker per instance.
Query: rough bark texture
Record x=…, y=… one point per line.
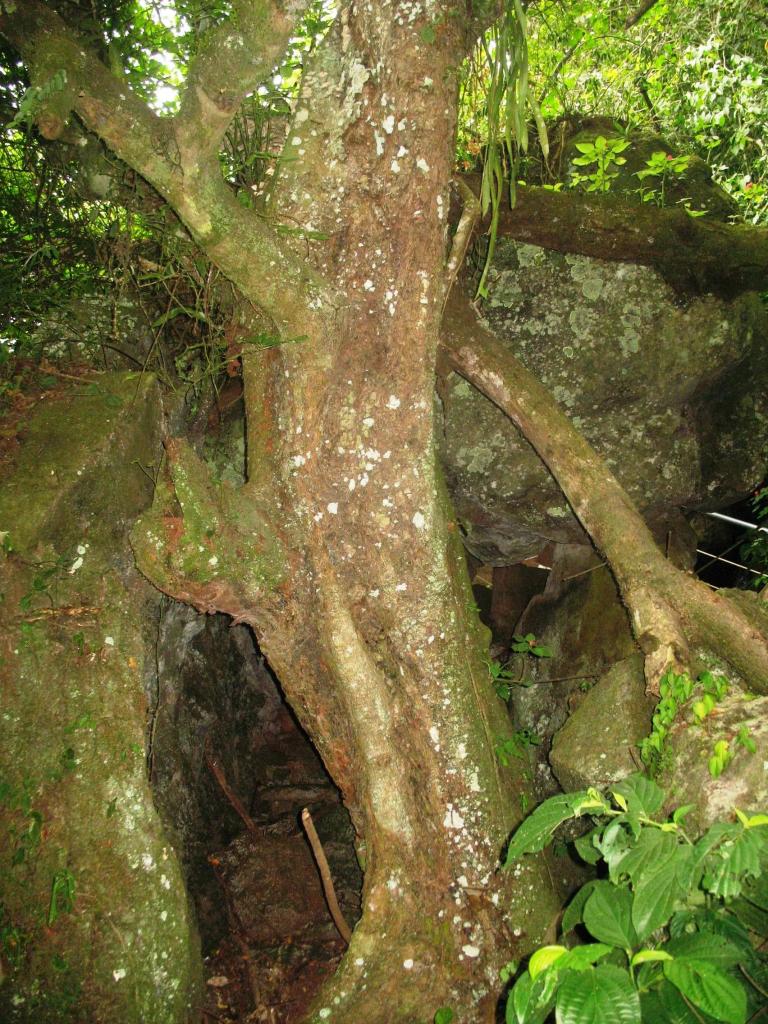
x=342, y=551
x=694, y=255
x=75, y=645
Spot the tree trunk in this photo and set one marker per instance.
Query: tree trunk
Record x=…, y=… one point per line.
x=372, y=629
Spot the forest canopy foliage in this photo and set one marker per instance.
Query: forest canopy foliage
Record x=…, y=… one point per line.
x=75, y=221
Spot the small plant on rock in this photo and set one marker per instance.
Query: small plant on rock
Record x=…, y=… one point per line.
x=672, y=930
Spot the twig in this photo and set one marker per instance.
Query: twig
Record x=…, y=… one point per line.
x=325, y=876
x=233, y=798
x=45, y=613
x=584, y=572
x=563, y=679
x=470, y=215
x=46, y=367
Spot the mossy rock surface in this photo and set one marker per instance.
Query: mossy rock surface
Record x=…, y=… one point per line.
x=743, y=783
x=594, y=746
x=655, y=382
x=96, y=925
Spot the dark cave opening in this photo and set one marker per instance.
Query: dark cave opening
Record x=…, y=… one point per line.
x=231, y=771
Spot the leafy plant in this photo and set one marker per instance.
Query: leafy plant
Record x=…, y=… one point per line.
x=528, y=645
x=504, y=676
x=604, y=158
x=666, y=931
x=676, y=691
x=515, y=746
x=13, y=941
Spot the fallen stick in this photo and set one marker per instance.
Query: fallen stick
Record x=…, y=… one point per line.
x=325, y=876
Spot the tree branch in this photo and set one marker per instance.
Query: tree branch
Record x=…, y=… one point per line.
x=670, y=610
x=285, y=286
x=206, y=545
x=231, y=61
x=694, y=255
x=642, y=10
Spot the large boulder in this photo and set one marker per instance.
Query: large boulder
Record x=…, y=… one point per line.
x=95, y=919
x=672, y=392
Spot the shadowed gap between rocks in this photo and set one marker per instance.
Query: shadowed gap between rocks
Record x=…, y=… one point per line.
x=216, y=712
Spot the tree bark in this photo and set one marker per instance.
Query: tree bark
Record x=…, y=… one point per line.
x=693, y=254
x=342, y=551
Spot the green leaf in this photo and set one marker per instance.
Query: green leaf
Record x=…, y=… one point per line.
x=525, y=1003
x=444, y=1015
x=608, y=915
x=604, y=995
x=756, y=891
x=585, y=847
x=574, y=912
x=581, y=958
x=543, y=958
x=652, y=848
x=664, y=1003
x=658, y=891
x=428, y=35
x=709, y=988
x=728, y=866
x=642, y=794
x=536, y=831
x=705, y=946
x=645, y=956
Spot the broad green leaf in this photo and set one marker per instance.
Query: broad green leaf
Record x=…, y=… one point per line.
x=608, y=915
x=664, y=1005
x=705, y=946
x=524, y=1003
x=585, y=846
x=713, y=921
x=614, y=843
x=536, y=831
x=649, y=956
x=681, y=813
x=641, y=793
x=658, y=891
x=581, y=958
x=652, y=848
x=754, y=821
x=574, y=912
x=543, y=958
x=604, y=995
x=728, y=866
x=709, y=988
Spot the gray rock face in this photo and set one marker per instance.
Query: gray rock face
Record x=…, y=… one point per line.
x=673, y=394
x=593, y=747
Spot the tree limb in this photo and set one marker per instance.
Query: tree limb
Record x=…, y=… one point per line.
x=693, y=255
x=283, y=284
x=670, y=610
x=231, y=61
x=637, y=15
